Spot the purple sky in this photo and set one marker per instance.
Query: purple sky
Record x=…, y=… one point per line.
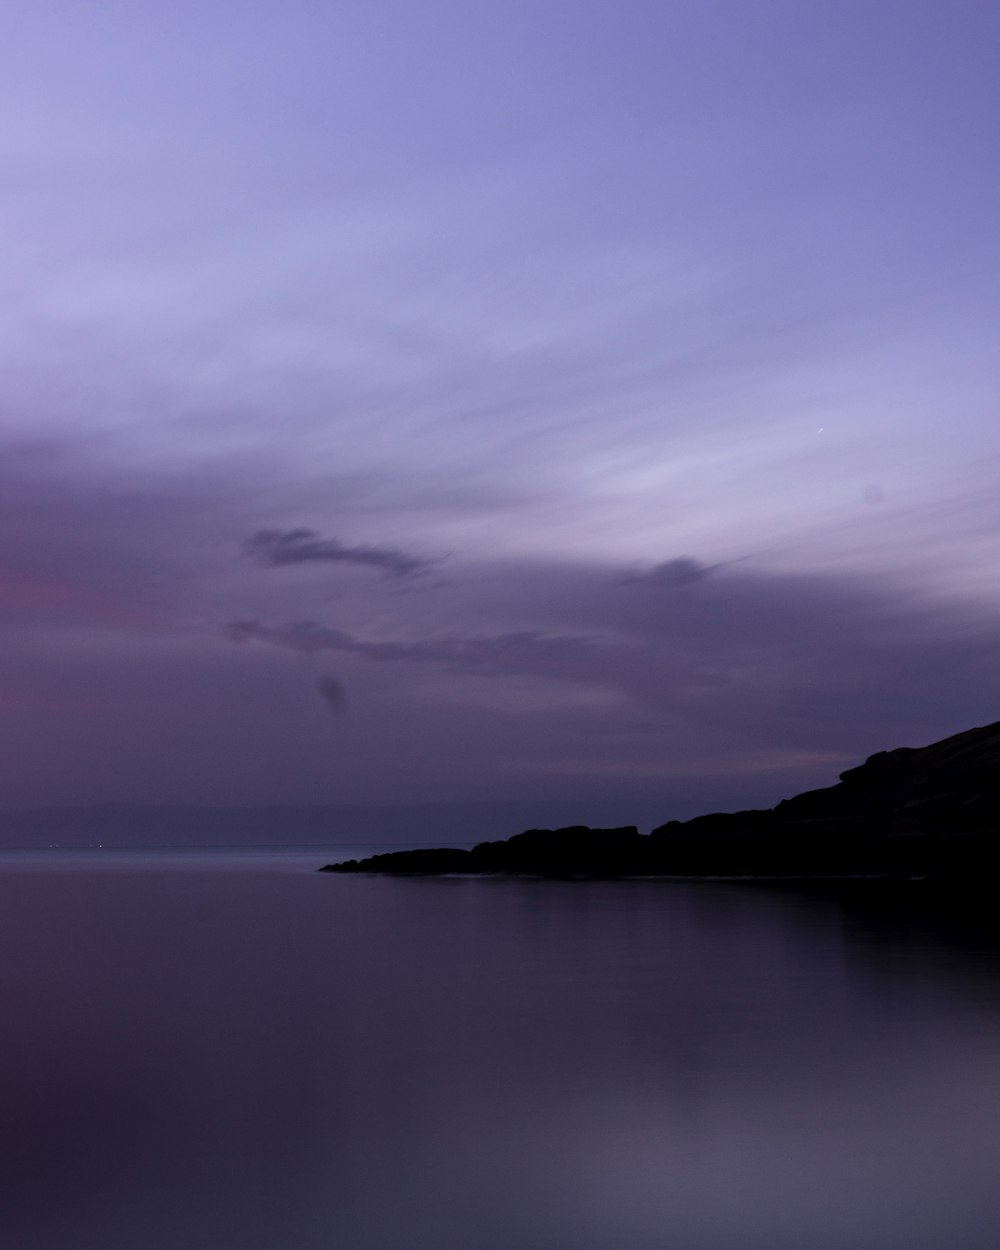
x=406, y=400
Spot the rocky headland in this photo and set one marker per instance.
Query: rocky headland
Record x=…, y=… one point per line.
x=930, y=812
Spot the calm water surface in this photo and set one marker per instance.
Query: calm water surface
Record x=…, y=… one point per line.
x=234, y=1051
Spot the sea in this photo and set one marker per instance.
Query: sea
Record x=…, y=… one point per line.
x=229, y=1050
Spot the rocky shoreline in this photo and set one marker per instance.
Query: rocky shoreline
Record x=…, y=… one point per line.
x=929, y=812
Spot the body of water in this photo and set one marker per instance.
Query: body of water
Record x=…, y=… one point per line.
x=230, y=1050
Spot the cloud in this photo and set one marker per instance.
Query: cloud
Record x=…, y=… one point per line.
x=672, y=574
x=332, y=693
x=305, y=546
x=790, y=662
x=524, y=652
x=519, y=670
x=767, y=669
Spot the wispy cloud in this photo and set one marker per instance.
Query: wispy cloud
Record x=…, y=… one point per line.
x=305, y=546
x=525, y=652
x=671, y=574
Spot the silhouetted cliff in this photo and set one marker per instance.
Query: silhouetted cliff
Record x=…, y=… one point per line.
x=929, y=811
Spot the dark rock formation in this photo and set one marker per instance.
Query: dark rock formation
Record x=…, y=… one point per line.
x=574, y=851
x=929, y=811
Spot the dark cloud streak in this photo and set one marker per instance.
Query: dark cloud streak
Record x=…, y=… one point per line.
x=305, y=546
x=525, y=652
x=332, y=693
x=673, y=574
